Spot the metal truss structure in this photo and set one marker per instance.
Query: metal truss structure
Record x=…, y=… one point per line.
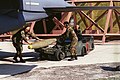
x=92, y=25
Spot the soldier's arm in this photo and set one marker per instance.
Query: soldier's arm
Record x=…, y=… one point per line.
x=24, y=37
x=73, y=33
x=33, y=35
x=61, y=39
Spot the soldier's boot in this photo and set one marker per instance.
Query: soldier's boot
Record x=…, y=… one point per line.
x=72, y=58
x=22, y=60
x=76, y=57
x=15, y=58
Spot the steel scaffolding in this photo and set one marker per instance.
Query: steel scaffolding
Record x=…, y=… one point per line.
x=111, y=18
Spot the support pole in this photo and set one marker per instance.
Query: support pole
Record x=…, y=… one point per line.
x=107, y=23
x=44, y=25
x=32, y=26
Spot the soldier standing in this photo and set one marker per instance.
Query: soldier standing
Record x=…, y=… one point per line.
x=74, y=40
x=17, y=40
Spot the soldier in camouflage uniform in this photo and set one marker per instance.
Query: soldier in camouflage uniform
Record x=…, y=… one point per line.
x=74, y=40
x=17, y=40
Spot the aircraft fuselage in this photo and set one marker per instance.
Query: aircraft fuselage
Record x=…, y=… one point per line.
x=18, y=12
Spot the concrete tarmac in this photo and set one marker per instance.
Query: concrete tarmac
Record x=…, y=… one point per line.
x=101, y=54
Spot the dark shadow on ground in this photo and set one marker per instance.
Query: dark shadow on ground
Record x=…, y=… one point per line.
x=108, y=68
x=4, y=56
x=12, y=69
x=31, y=56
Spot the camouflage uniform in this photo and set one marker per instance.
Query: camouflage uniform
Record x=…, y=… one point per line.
x=17, y=40
x=74, y=40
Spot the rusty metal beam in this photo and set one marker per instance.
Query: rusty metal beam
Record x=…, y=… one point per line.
x=117, y=11
x=108, y=34
x=83, y=19
x=61, y=20
x=75, y=19
x=57, y=21
x=66, y=17
x=52, y=35
x=97, y=19
x=107, y=22
x=111, y=23
x=117, y=19
x=60, y=23
x=92, y=21
x=44, y=26
x=89, y=12
x=32, y=26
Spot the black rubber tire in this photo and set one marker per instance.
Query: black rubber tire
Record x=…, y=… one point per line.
x=59, y=55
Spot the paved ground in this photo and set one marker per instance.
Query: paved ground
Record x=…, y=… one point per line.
x=98, y=64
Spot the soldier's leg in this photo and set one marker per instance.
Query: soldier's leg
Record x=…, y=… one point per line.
x=72, y=51
x=15, y=58
x=16, y=55
x=75, y=54
x=20, y=53
x=74, y=44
